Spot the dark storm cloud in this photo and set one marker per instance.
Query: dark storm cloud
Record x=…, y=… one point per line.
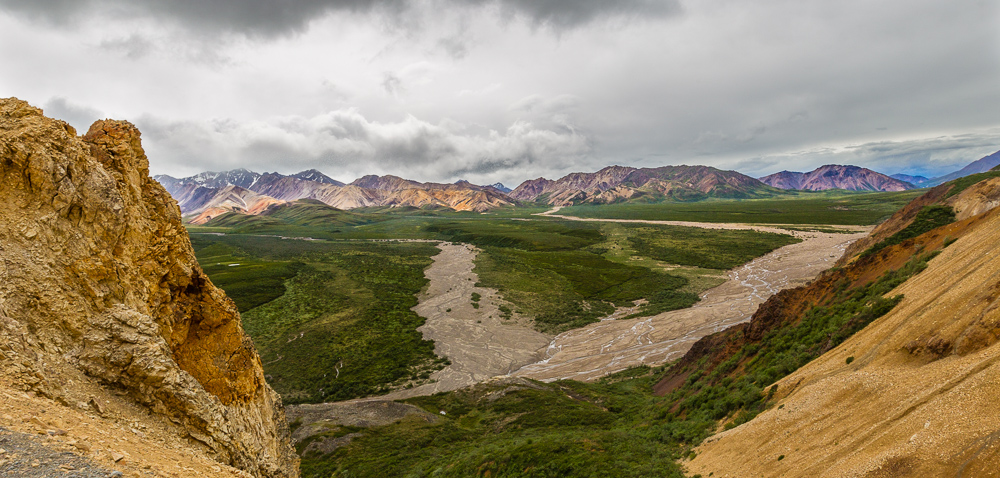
x=562, y=14
x=255, y=17
x=268, y=18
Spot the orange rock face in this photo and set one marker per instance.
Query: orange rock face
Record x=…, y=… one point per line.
x=98, y=281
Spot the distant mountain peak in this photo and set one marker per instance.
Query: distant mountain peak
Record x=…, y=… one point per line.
x=500, y=187
x=836, y=176
x=915, y=180
x=315, y=175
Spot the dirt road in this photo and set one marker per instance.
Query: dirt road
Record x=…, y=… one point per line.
x=776, y=228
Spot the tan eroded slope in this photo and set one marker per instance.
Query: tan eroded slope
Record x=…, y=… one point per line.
x=919, y=399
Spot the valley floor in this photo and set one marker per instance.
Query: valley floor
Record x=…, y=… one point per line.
x=472, y=335
x=609, y=346
x=481, y=345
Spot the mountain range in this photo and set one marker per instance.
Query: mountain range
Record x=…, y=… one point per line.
x=209, y=194
x=622, y=183
x=915, y=180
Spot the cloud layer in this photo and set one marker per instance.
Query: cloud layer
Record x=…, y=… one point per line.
x=269, y=18
x=513, y=89
x=346, y=142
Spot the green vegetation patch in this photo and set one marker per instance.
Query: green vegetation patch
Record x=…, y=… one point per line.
x=614, y=427
x=342, y=327
x=929, y=218
x=826, y=207
x=963, y=183
x=248, y=280
x=538, y=235
x=706, y=248
x=569, y=289
x=516, y=429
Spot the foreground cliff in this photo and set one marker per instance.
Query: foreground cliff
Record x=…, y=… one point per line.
x=99, y=285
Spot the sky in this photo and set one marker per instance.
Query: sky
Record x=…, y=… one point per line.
x=509, y=90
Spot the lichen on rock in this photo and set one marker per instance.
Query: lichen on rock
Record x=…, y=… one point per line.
x=98, y=277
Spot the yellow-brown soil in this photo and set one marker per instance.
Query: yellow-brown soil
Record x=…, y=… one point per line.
x=918, y=398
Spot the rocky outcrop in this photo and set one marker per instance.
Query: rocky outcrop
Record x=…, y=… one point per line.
x=832, y=176
x=98, y=282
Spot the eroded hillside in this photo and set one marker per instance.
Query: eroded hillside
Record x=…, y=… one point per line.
x=911, y=394
x=107, y=323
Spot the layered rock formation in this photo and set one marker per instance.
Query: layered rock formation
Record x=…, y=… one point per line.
x=833, y=176
x=98, y=283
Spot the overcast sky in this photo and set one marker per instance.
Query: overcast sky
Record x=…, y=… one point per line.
x=507, y=90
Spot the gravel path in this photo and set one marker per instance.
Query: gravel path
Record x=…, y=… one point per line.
x=24, y=455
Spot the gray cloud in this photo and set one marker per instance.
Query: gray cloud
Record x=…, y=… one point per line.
x=256, y=17
x=79, y=117
x=441, y=88
x=562, y=14
x=345, y=145
x=391, y=83
x=930, y=157
x=134, y=46
x=268, y=18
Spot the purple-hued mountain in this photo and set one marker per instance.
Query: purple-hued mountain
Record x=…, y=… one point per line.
x=833, y=176
x=980, y=165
